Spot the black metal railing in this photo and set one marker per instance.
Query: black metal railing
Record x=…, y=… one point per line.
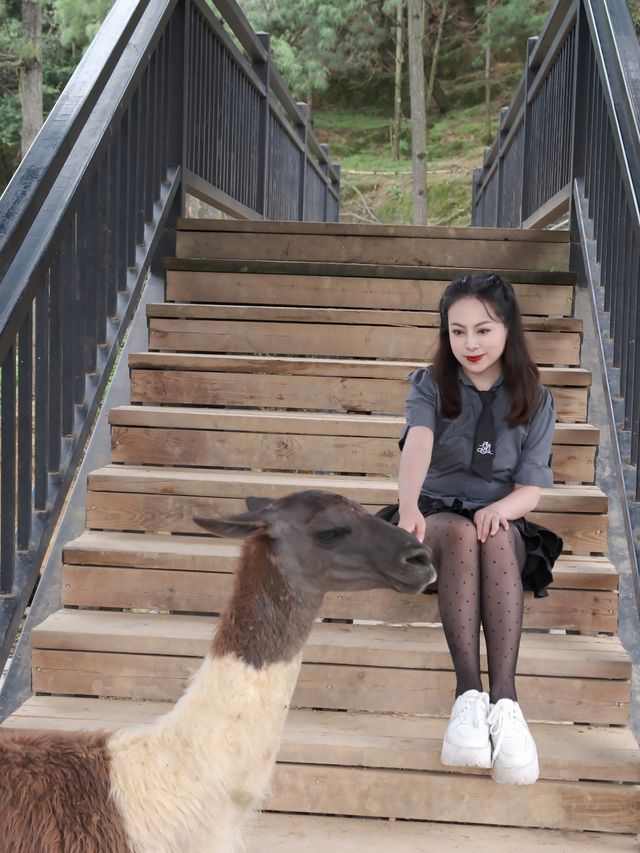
x=165, y=102
x=526, y=176
x=570, y=140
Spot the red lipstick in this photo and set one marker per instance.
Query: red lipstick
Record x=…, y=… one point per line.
x=474, y=358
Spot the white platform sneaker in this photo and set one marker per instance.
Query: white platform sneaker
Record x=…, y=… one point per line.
x=515, y=757
x=466, y=740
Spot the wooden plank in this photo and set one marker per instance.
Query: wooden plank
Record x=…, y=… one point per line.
x=330, y=686
x=376, y=249
x=334, y=315
x=282, y=833
x=582, y=532
x=208, y=592
x=298, y=423
x=389, y=793
x=407, y=742
x=414, y=743
x=290, y=451
x=325, y=367
x=253, y=337
x=207, y=554
x=557, y=206
x=361, y=395
x=349, y=229
x=422, y=272
x=370, y=645
x=342, y=291
x=367, y=490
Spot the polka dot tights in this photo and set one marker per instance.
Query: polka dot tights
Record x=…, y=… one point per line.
x=479, y=584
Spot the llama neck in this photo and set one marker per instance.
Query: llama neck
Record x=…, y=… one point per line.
x=266, y=620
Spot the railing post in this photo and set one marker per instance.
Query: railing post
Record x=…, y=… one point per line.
x=335, y=186
x=475, y=201
x=501, y=137
x=186, y=99
x=263, y=70
x=325, y=171
x=579, y=136
x=528, y=79
x=303, y=131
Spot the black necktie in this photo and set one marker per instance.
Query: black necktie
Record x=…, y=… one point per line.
x=485, y=438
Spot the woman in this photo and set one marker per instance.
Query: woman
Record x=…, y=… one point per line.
x=475, y=453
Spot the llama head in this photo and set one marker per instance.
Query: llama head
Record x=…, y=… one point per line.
x=323, y=541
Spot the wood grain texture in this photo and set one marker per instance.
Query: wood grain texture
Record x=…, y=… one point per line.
x=344, y=292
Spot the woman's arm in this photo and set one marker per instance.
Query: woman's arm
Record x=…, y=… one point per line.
x=519, y=502
x=414, y=464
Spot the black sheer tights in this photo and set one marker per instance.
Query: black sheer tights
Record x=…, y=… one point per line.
x=479, y=583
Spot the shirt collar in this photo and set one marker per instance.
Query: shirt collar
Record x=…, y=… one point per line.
x=462, y=377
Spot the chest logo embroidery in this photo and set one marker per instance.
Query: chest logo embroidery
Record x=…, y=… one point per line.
x=485, y=449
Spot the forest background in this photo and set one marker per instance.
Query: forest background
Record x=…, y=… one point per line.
x=342, y=58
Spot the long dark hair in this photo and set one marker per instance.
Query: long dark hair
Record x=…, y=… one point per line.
x=520, y=373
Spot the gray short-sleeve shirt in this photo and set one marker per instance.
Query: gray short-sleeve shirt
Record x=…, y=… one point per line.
x=522, y=453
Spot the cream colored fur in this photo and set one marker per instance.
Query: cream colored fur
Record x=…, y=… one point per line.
x=188, y=784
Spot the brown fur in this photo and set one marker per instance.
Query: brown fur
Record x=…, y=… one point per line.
x=54, y=794
x=262, y=599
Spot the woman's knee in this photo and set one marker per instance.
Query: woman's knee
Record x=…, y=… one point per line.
x=452, y=538
x=504, y=547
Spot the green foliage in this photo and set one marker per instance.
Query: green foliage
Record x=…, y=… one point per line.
x=10, y=118
x=511, y=22
x=78, y=21
x=67, y=30
x=313, y=41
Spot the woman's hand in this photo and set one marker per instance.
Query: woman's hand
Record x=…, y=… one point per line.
x=488, y=521
x=412, y=521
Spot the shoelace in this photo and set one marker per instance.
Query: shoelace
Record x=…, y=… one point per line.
x=477, y=709
x=499, y=721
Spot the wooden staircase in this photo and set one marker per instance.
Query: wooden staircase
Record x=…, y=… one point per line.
x=279, y=361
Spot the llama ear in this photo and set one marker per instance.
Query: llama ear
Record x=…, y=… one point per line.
x=235, y=526
x=254, y=504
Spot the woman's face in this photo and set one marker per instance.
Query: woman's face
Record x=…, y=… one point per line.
x=477, y=340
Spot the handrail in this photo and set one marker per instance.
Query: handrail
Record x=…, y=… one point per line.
x=42, y=162
x=578, y=153
x=163, y=103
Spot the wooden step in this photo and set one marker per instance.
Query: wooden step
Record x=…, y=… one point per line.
x=350, y=229
x=412, y=742
x=195, y=592
x=361, y=667
x=283, y=833
x=296, y=441
x=165, y=500
x=200, y=281
x=197, y=554
x=336, y=747
x=429, y=247
x=188, y=576
x=234, y=485
x=239, y=329
x=407, y=796
x=328, y=316
x=355, y=385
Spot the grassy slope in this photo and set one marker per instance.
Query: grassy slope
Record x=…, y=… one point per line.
x=375, y=187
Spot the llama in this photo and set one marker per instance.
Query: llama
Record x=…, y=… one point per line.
x=187, y=783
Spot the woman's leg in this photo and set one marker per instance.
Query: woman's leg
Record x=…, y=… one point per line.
x=501, y=560
x=455, y=556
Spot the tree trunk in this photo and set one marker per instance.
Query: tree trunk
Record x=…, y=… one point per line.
x=487, y=76
x=436, y=52
x=440, y=97
x=397, y=101
x=31, y=73
x=415, y=13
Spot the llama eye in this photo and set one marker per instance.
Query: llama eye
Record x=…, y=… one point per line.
x=331, y=536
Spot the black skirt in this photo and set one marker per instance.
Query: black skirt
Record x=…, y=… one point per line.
x=542, y=546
